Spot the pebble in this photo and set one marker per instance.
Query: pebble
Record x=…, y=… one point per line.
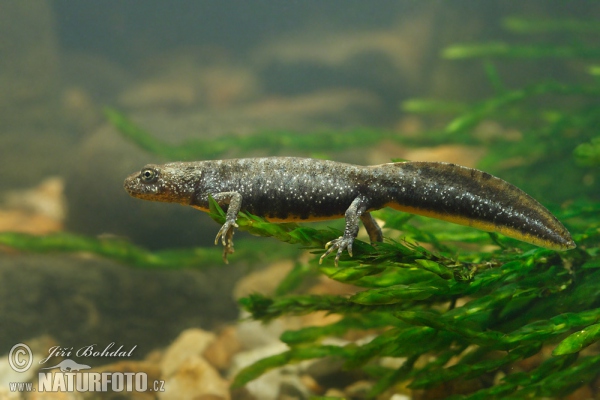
x=190, y=343
x=220, y=351
x=195, y=379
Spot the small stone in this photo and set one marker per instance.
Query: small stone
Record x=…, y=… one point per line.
x=59, y=392
x=39, y=349
x=311, y=384
x=28, y=222
x=399, y=396
x=220, y=351
x=151, y=369
x=194, y=379
x=53, y=396
x=269, y=385
x=333, y=392
x=6, y=394
x=242, y=394
x=264, y=281
x=255, y=334
x=291, y=391
x=191, y=342
x=583, y=393
x=359, y=389
x=330, y=286
x=47, y=199
x=245, y=358
x=38, y=210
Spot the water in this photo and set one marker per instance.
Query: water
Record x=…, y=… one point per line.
x=207, y=71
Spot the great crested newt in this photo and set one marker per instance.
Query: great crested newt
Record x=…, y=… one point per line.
x=284, y=189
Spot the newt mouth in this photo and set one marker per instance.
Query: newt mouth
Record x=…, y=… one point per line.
x=130, y=183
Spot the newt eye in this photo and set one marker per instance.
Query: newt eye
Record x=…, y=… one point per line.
x=149, y=175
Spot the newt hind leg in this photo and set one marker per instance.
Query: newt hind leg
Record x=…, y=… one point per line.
x=234, y=201
x=373, y=229
x=356, y=210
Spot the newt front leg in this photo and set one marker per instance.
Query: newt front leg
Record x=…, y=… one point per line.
x=234, y=201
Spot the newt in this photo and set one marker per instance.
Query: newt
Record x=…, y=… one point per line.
x=285, y=189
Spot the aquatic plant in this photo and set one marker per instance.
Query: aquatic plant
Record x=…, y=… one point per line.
x=474, y=316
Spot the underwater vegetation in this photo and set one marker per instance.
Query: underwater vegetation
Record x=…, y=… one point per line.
x=454, y=305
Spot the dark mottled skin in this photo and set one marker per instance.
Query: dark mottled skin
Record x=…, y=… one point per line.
x=302, y=189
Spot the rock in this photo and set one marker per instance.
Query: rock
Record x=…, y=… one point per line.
x=187, y=374
x=191, y=342
x=178, y=80
x=263, y=281
x=255, y=334
x=39, y=349
x=107, y=302
x=311, y=384
x=385, y=61
x=220, y=351
x=280, y=381
x=247, y=357
x=326, y=285
x=55, y=396
x=399, y=396
x=292, y=391
x=328, y=372
x=151, y=369
x=194, y=379
x=359, y=389
x=45, y=202
x=333, y=392
x=27, y=222
x=6, y=394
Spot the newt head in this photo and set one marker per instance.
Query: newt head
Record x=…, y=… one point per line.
x=167, y=183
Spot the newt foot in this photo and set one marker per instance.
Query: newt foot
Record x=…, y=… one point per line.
x=339, y=244
x=226, y=235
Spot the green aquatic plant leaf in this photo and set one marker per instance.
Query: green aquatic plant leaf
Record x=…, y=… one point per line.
x=292, y=356
x=395, y=294
x=539, y=25
x=506, y=50
x=588, y=154
x=422, y=106
x=113, y=248
x=578, y=340
x=355, y=322
x=489, y=107
x=265, y=141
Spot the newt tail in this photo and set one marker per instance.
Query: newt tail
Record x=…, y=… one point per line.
x=283, y=189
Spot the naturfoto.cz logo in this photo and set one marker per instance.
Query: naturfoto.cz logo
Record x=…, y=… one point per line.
x=69, y=377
